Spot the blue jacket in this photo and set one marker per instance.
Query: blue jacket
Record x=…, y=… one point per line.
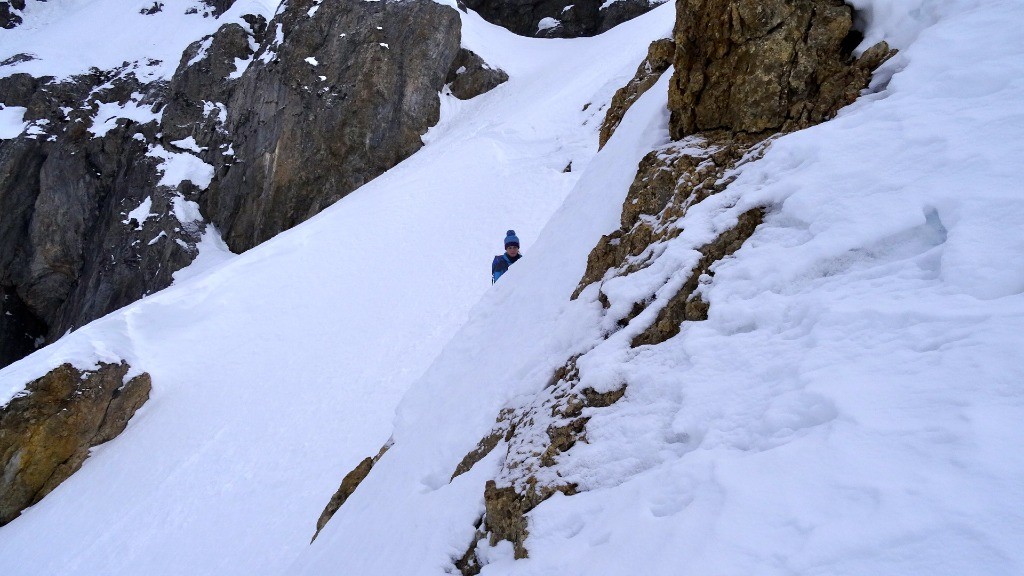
x=500, y=265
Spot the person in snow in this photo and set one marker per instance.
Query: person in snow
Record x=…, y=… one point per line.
x=502, y=261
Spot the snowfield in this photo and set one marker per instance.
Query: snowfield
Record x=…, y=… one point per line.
x=68, y=37
x=852, y=406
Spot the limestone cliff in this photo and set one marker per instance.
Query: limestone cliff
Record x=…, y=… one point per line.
x=765, y=66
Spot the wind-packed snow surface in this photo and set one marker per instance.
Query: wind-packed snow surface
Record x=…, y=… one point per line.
x=276, y=371
x=853, y=404
x=67, y=37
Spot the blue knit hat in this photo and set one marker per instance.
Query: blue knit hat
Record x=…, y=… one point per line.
x=511, y=239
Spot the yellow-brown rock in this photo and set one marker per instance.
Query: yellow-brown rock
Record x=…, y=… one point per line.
x=47, y=431
x=658, y=60
x=760, y=65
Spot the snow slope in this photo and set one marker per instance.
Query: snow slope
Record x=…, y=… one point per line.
x=68, y=37
x=853, y=404
x=277, y=370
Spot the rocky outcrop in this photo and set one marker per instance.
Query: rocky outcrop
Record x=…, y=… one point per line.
x=686, y=304
x=503, y=429
x=219, y=7
x=668, y=182
x=349, y=483
x=47, y=431
x=756, y=66
x=659, y=59
x=69, y=251
x=506, y=509
x=9, y=16
x=328, y=102
x=560, y=18
x=535, y=437
x=202, y=83
x=469, y=76
x=744, y=72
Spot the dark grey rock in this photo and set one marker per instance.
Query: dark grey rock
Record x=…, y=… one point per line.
x=17, y=89
x=17, y=58
x=301, y=141
x=219, y=6
x=67, y=256
x=62, y=211
x=624, y=10
x=470, y=76
x=201, y=85
x=568, y=18
x=20, y=163
x=21, y=331
x=257, y=27
x=9, y=17
x=126, y=260
x=154, y=8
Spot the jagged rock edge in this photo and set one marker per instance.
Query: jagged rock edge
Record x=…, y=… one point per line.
x=349, y=484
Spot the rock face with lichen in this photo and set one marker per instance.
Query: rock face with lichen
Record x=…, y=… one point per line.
x=47, y=431
x=658, y=60
x=756, y=66
x=534, y=438
x=669, y=181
